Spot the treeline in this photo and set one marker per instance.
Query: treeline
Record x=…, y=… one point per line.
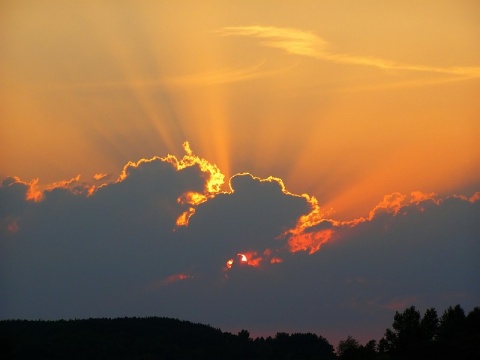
x=452, y=336
x=148, y=338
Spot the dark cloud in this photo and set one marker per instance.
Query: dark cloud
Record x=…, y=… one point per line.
x=117, y=250
x=76, y=251
x=12, y=197
x=251, y=218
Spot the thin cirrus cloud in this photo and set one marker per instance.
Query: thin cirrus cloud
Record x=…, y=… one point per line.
x=299, y=42
x=206, y=78
x=238, y=259
x=224, y=76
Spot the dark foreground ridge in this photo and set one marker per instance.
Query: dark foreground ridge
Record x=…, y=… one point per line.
x=452, y=336
x=148, y=338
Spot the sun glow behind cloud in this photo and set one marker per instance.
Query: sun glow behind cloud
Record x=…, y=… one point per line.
x=308, y=231
x=333, y=145
x=125, y=82
x=164, y=233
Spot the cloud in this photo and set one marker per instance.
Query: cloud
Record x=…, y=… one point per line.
x=303, y=43
x=252, y=217
x=100, y=176
x=118, y=250
x=294, y=41
x=13, y=195
x=115, y=239
x=224, y=76
x=205, y=78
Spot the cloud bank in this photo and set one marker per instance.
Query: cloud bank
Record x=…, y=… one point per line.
x=167, y=239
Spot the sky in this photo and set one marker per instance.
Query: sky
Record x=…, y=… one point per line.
x=267, y=165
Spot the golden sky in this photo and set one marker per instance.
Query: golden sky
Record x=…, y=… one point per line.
x=346, y=101
x=187, y=158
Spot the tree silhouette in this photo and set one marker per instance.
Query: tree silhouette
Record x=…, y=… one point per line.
x=429, y=325
x=348, y=348
x=300, y=346
x=472, y=336
x=403, y=340
x=429, y=331
x=412, y=337
x=459, y=335
x=453, y=336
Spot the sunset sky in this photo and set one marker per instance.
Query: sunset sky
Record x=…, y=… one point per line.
x=333, y=145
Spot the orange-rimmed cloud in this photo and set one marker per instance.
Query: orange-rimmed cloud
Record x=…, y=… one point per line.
x=314, y=229
x=472, y=199
x=309, y=241
x=33, y=192
x=305, y=236
x=255, y=215
x=120, y=252
x=182, y=220
x=251, y=258
x=249, y=197
x=215, y=177
x=36, y=193
x=254, y=258
x=29, y=191
x=168, y=280
x=418, y=196
x=100, y=176
x=65, y=183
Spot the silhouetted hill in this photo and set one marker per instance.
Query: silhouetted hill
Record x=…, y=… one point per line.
x=147, y=338
x=452, y=336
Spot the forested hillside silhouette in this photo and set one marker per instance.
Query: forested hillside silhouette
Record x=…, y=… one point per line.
x=452, y=336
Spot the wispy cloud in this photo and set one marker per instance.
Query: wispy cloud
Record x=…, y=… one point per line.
x=291, y=40
x=304, y=43
x=225, y=75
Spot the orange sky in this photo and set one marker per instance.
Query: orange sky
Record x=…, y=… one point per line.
x=344, y=101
